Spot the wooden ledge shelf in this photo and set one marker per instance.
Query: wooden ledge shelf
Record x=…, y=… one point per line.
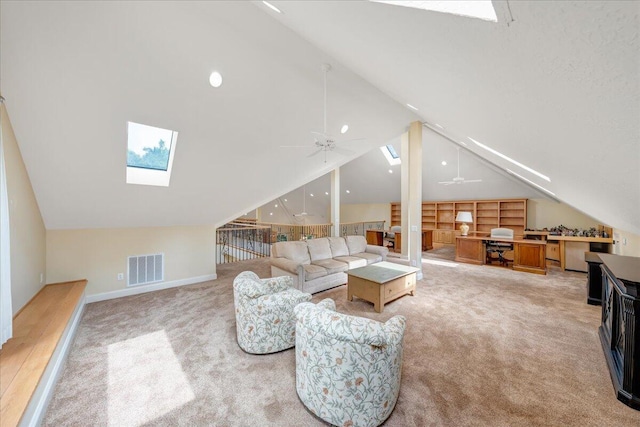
x=37, y=331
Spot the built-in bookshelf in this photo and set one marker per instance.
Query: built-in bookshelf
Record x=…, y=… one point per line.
x=487, y=214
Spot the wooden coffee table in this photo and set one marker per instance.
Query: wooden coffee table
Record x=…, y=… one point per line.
x=381, y=283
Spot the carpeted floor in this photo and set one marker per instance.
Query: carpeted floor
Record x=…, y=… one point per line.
x=484, y=346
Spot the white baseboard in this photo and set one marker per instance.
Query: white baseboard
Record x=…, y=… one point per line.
x=149, y=288
x=36, y=409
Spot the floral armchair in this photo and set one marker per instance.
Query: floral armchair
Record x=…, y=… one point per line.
x=347, y=368
x=265, y=322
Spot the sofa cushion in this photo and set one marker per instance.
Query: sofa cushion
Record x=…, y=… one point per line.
x=371, y=258
x=295, y=251
x=312, y=271
x=332, y=266
x=319, y=249
x=352, y=261
x=356, y=244
x=338, y=246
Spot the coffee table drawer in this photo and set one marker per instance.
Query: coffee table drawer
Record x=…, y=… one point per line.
x=399, y=286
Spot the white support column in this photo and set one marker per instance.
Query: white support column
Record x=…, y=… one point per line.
x=259, y=214
x=404, y=193
x=335, y=201
x=415, y=196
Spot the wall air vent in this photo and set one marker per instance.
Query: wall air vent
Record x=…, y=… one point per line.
x=145, y=269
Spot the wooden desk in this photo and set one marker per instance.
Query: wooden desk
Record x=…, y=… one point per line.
x=528, y=255
x=376, y=238
x=572, y=249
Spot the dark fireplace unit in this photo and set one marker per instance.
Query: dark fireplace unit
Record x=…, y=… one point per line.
x=620, y=324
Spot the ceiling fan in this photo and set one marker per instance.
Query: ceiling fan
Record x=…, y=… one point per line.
x=304, y=204
x=458, y=179
x=323, y=141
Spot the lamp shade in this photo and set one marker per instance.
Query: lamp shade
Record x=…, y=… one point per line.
x=464, y=217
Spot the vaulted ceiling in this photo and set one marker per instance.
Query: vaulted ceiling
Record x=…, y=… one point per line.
x=552, y=85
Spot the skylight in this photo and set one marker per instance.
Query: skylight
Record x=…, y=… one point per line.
x=481, y=9
x=390, y=154
x=150, y=152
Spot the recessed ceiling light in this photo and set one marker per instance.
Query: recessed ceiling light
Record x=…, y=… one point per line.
x=276, y=205
x=215, y=79
x=390, y=171
x=272, y=7
x=348, y=191
x=444, y=163
x=270, y=213
x=326, y=193
x=285, y=200
x=311, y=194
x=344, y=129
x=412, y=107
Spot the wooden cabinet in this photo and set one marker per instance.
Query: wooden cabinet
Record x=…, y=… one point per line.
x=444, y=236
x=530, y=257
x=427, y=240
x=470, y=251
x=553, y=251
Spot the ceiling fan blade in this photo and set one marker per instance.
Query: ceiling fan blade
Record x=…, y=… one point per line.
x=316, y=152
x=322, y=134
x=472, y=180
x=350, y=140
x=294, y=146
x=446, y=182
x=343, y=151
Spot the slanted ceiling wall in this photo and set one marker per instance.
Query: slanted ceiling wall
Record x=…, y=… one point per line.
x=28, y=236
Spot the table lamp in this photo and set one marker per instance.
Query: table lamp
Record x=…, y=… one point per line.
x=464, y=217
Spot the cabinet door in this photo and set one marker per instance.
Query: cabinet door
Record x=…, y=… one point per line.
x=449, y=237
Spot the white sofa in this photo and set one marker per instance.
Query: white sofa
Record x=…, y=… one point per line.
x=320, y=264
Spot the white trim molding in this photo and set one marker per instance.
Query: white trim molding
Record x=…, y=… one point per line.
x=149, y=288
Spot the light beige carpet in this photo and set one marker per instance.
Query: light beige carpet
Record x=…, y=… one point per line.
x=484, y=346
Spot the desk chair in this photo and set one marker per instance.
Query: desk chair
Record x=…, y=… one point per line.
x=390, y=236
x=499, y=247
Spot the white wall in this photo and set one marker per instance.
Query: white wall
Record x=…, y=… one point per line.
x=626, y=243
x=27, y=228
x=366, y=212
x=543, y=213
x=98, y=255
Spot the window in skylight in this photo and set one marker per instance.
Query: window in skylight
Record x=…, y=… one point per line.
x=150, y=152
x=481, y=9
x=390, y=154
